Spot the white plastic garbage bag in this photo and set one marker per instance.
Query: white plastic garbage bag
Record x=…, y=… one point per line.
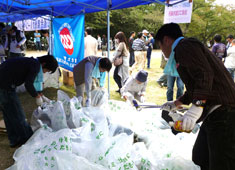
x=65, y=99
x=55, y=112
x=41, y=151
x=98, y=97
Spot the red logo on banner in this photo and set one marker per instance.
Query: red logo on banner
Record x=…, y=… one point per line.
x=66, y=40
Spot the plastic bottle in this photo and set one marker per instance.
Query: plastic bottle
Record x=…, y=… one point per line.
x=177, y=125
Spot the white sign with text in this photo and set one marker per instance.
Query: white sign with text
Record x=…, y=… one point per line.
x=40, y=23
x=178, y=13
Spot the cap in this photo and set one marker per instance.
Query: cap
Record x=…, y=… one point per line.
x=142, y=76
x=145, y=31
x=230, y=36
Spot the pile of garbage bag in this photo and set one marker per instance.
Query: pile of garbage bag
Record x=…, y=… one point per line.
x=71, y=137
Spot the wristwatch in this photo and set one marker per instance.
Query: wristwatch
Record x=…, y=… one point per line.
x=199, y=103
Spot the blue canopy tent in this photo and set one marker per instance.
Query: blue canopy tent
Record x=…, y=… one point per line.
x=16, y=10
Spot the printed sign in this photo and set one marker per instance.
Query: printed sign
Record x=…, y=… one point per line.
x=179, y=13
x=40, y=23
x=68, y=40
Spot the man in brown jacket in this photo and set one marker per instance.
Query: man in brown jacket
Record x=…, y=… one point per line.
x=211, y=91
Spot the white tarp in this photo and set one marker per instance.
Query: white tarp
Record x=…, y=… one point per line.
x=179, y=13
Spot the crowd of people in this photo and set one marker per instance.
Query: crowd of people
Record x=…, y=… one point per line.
x=207, y=75
x=129, y=59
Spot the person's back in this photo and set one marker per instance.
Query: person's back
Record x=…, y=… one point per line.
x=79, y=69
x=219, y=49
x=91, y=45
x=138, y=45
x=222, y=81
x=230, y=59
x=16, y=42
x=17, y=71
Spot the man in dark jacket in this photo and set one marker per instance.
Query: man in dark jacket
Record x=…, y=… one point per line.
x=14, y=72
x=211, y=91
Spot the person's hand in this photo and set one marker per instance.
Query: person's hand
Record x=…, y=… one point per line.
x=190, y=117
x=175, y=116
x=168, y=106
x=142, y=99
x=18, y=46
x=125, y=97
x=45, y=99
x=88, y=102
x=39, y=101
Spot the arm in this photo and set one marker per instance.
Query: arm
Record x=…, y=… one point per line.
x=126, y=86
x=143, y=90
x=96, y=48
x=32, y=73
x=88, y=78
x=6, y=43
x=119, y=50
x=23, y=39
x=144, y=47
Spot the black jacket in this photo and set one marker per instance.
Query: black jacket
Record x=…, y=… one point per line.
x=17, y=71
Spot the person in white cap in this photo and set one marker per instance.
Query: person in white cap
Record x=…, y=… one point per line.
x=135, y=87
x=145, y=36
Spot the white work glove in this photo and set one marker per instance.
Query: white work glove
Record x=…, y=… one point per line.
x=168, y=106
x=175, y=116
x=190, y=117
x=39, y=101
x=88, y=102
x=142, y=99
x=45, y=99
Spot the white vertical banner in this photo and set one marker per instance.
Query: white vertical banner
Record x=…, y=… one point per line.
x=178, y=13
x=39, y=23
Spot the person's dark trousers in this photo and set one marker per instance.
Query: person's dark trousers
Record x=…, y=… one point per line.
x=14, y=55
x=38, y=45
x=18, y=129
x=149, y=52
x=214, y=148
x=170, y=87
x=117, y=78
x=132, y=58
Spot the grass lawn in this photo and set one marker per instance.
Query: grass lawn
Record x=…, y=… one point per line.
x=154, y=94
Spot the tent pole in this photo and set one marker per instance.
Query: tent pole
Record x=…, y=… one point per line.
x=108, y=36
x=50, y=36
x=50, y=33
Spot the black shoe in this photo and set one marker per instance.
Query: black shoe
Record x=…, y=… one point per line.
x=160, y=84
x=118, y=91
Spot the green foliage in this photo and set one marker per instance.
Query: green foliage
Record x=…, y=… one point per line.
x=208, y=19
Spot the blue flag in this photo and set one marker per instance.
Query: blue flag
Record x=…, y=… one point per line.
x=68, y=40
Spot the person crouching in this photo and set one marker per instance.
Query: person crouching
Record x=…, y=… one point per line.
x=135, y=87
